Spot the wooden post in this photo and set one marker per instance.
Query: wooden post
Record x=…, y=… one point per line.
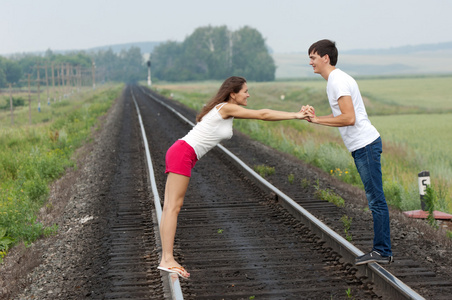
x=63, y=90
x=68, y=83
x=72, y=79
x=59, y=83
x=29, y=101
x=93, y=70
x=68, y=80
x=47, y=87
x=39, y=89
x=53, y=83
x=79, y=78
x=11, y=104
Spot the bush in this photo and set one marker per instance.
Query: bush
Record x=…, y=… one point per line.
x=430, y=199
x=393, y=192
x=17, y=101
x=36, y=188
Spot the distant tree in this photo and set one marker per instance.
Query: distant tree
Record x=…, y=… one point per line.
x=196, y=52
x=107, y=61
x=250, y=56
x=132, y=65
x=13, y=71
x=220, y=64
x=2, y=72
x=73, y=58
x=49, y=55
x=214, y=53
x=10, y=72
x=127, y=66
x=207, y=53
x=28, y=64
x=166, y=63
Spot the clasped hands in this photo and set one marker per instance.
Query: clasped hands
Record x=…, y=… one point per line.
x=309, y=112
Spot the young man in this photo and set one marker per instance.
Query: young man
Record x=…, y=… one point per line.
x=361, y=139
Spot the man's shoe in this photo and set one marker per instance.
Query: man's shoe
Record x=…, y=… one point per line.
x=373, y=256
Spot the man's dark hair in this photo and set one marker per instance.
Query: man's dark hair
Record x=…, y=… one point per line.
x=324, y=47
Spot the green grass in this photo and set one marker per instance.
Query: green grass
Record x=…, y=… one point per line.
x=48, y=112
x=413, y=115
x=426, y=138
x=347, y=222
x=429, y=94
x=32, y=157
x=415, y=143
x=296, y=65
x=329, y=195
x=264, y=170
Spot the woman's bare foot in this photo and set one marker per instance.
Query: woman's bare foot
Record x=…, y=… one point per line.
x=178, y=270
x=173, y=267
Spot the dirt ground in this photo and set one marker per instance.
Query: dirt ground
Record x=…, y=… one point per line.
x=49, y=264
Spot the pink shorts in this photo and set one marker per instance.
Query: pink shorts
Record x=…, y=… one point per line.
x=180, y=158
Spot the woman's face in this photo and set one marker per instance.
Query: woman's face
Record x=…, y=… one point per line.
x=241, y=97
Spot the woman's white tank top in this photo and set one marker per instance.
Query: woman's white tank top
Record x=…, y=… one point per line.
x=210, y=131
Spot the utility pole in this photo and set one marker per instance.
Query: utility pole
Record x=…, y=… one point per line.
x=230, y=50
x=62, y=80
x=47, y=86
x=69, y=78
x=79, y=77
x=59, y=84
x=39, y=88
x=29, y=100
x=68, y=83
x=11, y=104
x=93, y=70
x=72, y=79
x=53, y=82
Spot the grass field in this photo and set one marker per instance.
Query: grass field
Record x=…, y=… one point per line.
x=429, y=94
x=296, y=65
x=413, y=115
x=33, y=156
x=23, y=113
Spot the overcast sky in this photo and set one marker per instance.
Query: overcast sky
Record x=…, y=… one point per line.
x=287, y=25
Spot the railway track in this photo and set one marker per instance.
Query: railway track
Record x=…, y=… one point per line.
x=238, y=236
x=236, y=241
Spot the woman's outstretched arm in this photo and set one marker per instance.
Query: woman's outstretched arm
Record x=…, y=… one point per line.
x=239, y=112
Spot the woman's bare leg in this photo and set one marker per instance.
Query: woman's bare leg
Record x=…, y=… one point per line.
x=175, y=189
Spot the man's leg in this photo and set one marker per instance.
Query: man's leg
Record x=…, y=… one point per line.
x=367, y=161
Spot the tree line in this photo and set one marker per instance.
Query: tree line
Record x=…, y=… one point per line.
x=214, y=53
x=127, y=66
x=210, y=53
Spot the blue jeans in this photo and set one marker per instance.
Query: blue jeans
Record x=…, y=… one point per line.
x=367, y=161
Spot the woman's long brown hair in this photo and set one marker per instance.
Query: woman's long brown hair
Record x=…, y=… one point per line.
x=231, y=85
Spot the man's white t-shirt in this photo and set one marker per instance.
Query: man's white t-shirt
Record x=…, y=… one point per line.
x=363, y=132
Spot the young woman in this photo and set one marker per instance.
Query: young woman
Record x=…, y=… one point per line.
x=214, y=125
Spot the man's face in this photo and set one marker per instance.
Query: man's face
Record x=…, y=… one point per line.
x=317, y=62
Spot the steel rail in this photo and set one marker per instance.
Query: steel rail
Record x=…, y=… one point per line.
x=388, y=284
x=172, y=278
